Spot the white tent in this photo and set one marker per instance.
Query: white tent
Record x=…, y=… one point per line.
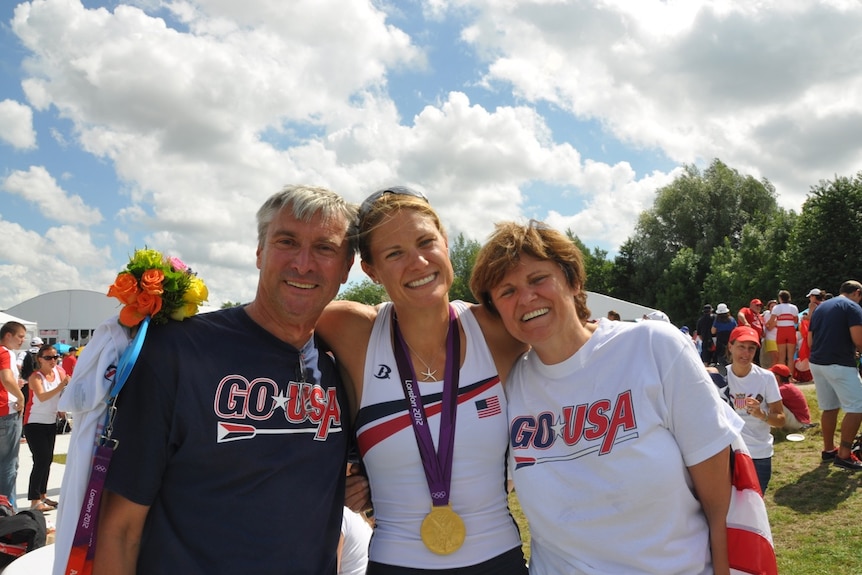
x=600, y=305
x=32, y=328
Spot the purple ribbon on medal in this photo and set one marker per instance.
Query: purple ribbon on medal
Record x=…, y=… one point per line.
x=437, y=464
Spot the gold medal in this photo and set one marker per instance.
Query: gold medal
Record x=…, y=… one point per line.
x=443, y=531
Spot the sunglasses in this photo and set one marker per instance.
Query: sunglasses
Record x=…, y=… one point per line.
x=394, y=190
x=51, y=357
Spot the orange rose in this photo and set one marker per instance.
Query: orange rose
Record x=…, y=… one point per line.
x=149, y=304
x=134, y=313
x=124, y=288
x=130, y=316
x=151, y=281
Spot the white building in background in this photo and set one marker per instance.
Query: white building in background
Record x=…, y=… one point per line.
x=601, y=304
x=67, y=316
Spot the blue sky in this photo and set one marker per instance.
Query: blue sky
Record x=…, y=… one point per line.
x=167, y=123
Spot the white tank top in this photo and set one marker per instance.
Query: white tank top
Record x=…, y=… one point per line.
x=399, y=488
x=43, y=411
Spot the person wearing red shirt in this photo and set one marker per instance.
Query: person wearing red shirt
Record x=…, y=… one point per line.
x=751, y=317
x=70, y=360
x=796, y=413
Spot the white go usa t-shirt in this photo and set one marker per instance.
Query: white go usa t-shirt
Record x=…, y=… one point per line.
x=599, y=448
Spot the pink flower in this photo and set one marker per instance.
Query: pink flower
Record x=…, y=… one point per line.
x=177, y=264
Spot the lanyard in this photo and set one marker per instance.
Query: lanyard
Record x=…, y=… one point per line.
x=437, y=464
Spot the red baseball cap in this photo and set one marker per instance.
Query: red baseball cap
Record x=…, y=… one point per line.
x=745, y=333
x=756, y=301
x=780, y=369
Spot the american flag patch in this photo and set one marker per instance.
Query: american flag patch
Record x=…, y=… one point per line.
x=488, y=407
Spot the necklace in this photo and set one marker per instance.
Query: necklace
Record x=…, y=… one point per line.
x=428, y=374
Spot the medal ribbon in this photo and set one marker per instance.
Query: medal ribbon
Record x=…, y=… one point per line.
x=84, y=544
x=437, y=465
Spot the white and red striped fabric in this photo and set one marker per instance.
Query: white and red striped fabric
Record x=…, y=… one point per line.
x=749, y=538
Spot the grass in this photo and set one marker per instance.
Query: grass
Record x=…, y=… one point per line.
x=815, y=509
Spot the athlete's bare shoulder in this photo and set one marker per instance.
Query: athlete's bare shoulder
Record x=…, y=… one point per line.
x=343, y=323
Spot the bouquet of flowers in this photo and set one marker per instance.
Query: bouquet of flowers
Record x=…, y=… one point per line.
x=157, y=286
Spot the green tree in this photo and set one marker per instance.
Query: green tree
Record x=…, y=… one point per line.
x=229, y=304
x=769, y=273
x=624, y=280
x=718, y=283
x=678, y=288
x=823, y=250
x=753, y=269
x=462, y=253
x=365, y=291
x=700, y=211
x=596, y=265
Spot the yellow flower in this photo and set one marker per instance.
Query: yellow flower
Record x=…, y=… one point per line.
x=197, y=292
x=186, y=310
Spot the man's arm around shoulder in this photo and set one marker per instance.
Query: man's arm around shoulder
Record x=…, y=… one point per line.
x=121, y=523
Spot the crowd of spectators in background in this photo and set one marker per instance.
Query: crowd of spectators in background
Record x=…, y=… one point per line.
x=796, y=346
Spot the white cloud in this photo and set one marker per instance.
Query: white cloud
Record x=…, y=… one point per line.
x=205, y=113
x=475, y=164
x=61, y=258
x=616, y=201
x=272, y=62
x=16, y=125
x=202, y=125
x=187, y=115
x=772, y=87
x=36, y=185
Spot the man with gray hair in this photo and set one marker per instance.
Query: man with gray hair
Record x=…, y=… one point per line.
x=236, y=416
x=835, y=337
